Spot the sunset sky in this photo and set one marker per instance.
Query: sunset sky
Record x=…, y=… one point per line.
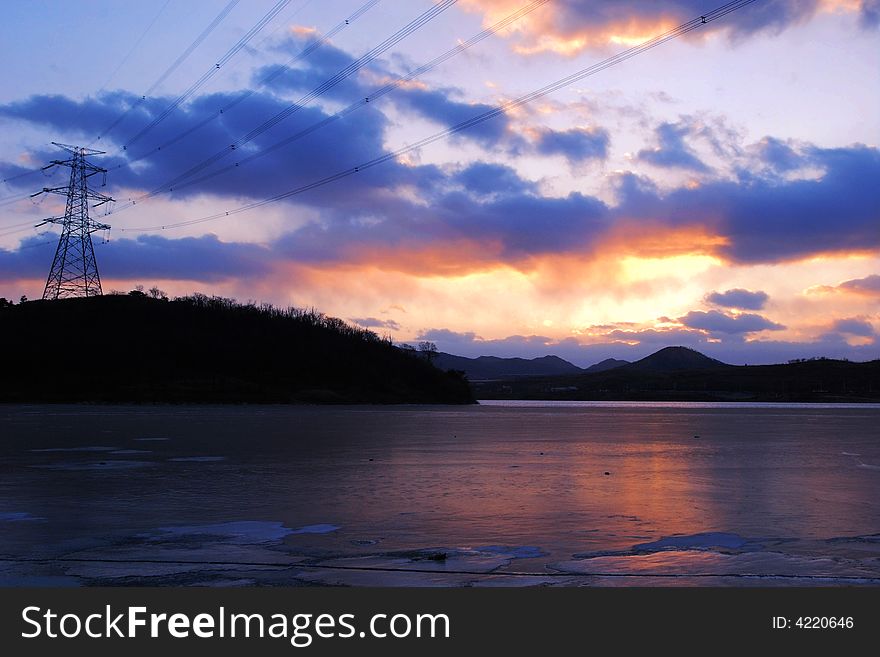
x=721, y=191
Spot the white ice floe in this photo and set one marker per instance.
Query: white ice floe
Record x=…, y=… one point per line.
x=513, y=551
x=700, y=564
x=243, y=532
x=702, y=541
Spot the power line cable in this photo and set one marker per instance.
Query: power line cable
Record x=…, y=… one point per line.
x=677, y=32
x=234, y=50
x=318, y=91
x=311, y=47
x=363, y=102
x=137, y=43
x=171, y=68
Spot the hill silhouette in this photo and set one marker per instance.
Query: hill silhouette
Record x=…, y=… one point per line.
x=681, y=374
x=493, y=367
x=674, y=359
x=132, y=348
x=607, y=364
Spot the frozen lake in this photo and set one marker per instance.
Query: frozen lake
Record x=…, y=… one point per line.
x=505, y=493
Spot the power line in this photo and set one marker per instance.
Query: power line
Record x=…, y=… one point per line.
x=277, y=8
x=137, y=43
x=677, y=32
x=165, y=74
x=311, y=47
x=173, y=67
x=370, y=98
x=318, y=91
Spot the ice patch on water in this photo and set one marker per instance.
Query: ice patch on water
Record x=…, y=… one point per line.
x=315, y=529
x=103, y=465
x=91, y=448
x=869, y=466
x=696, y=564
x=130, y=451
x=513, y=551
x=17, y=516
x=243, y=532
x=147, y=440
x=702, y=541
x=868, y=538
x=198, y=459
x=850, y=454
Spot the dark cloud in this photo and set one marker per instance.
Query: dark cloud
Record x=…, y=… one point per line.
x=869, y=13
x=738, y=298
x=771, y=220
x=350, y=141
x=869, y=286
x=853, y=326
x=577, y=145
x=761, y=218
x=575, y=18
x=439, y=106
x=373, y=322
x=671, y=150
x=205, y=259
x=485, y=178
x=715, y=322
x=779, y=155
x=324, y=70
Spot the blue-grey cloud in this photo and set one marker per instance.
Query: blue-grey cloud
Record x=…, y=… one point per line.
x=853, y=326
x=577, y=144
x=440, y=106
x=715, y=322
x=373, y=322
x=571, y=19
x=770, y=220
x=869, y=13
x=779, y=155
x=671, y=150
x=869, y=285
x=152, y=257
x=483, y=178
x=739, y=298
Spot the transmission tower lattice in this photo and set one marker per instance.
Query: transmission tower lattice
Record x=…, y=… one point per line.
x=74, y=271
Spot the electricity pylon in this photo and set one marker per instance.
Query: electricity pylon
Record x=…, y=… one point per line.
x=74, y=271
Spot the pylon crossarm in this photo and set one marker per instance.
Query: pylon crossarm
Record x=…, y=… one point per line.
x=51, y=190
x=50, y=220
x=78, y=150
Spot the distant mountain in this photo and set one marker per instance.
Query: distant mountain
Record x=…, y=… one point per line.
x=607, y=364
x=675, y=359
x=492, y=367
x=681, y=374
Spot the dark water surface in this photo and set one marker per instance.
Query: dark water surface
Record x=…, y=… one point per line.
x=498, y=494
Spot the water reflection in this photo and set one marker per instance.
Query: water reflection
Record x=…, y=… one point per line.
x=528, y=487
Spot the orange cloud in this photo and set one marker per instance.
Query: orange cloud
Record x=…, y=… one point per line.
x=569, y=28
